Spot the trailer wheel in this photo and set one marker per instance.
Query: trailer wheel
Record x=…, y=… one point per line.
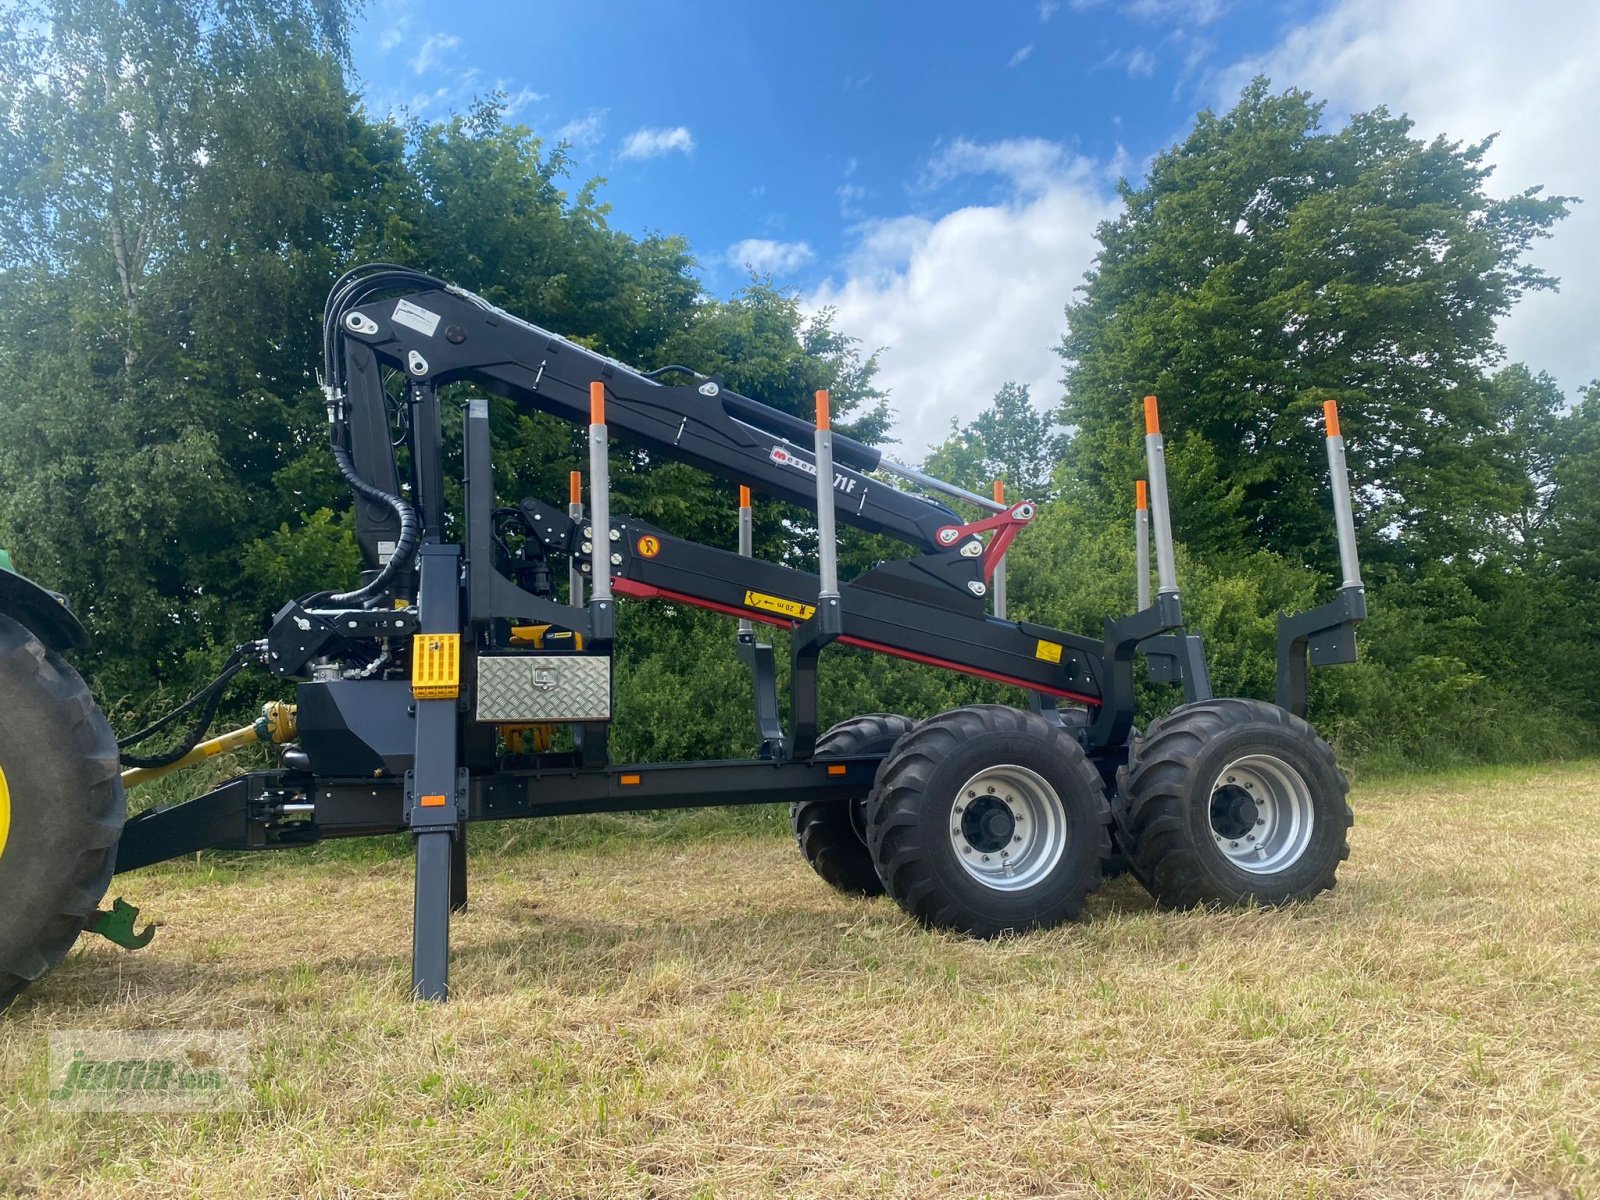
x=832, y=835
x=1234, y=802
x=61, y=808
x=989, y=819
x=1116, y=863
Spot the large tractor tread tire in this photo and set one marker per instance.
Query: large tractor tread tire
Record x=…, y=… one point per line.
x=935, y=798
x=1175, y=818
x=62, y=808
x=831, y=833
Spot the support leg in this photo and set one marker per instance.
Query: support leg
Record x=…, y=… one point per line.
x=436, y=786
x=430, y=928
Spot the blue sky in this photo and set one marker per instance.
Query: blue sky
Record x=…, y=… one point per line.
x=934, y=171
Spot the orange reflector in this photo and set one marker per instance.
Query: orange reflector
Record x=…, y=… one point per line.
x=431, y=802
x=1330, y=415
x=1141, y=495
x=999, y=491
x=744, y=496
x=597, y=403
x=1152, y=416
x=838, y=769
x=631, y=780
x=822, y=409
x=575, y=487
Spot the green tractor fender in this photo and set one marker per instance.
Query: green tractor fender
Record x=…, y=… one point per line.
x=42, y=611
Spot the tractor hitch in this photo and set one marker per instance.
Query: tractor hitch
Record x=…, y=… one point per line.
x=117, y=926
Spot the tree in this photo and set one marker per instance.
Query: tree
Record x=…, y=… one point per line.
x=1010, y=440
x=1265, y=265
x=177, y=178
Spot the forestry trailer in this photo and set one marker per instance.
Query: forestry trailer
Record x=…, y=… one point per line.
x=468, y=675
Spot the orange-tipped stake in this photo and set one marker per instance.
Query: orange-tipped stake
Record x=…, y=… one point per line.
x=997, y=583
x=1330, y=417
x=1152, y=416
x=597, y=403
x=822, y=409
x=744, y=496
x=1141, y=495
x=575, y=487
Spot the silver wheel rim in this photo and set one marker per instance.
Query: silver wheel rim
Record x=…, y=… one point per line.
x=1008, y=827
x=1261, y=815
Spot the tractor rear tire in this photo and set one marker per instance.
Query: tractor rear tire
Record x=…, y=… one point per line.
x=61, y=808
x=989, y=820
x=1231, y=802
x=832, y=833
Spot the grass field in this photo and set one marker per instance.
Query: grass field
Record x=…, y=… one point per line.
x=639, y=1013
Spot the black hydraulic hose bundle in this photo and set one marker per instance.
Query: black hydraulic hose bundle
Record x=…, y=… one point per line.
x=351, y=289
x=208, y=699
x=405, y=544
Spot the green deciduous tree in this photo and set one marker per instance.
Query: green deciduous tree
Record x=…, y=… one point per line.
x=1266, y=264
x=178, y=179
x=1010, y=440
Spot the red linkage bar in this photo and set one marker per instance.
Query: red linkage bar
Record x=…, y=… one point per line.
x=1006, y=526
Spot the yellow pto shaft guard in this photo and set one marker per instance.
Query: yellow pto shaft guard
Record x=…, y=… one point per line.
x=276, y=725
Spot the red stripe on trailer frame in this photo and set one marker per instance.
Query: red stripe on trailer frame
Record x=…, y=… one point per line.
x=646, y=591
x=896, y=652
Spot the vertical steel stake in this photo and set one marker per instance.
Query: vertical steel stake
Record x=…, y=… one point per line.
x=1141, y=535
x=1156, y=453
x=575, y=511
x=998, y=582
x=1343, y=516
x=827, y=531
x=746, y=546
x=602, y=618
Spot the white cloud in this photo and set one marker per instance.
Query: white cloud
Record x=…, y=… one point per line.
x=518, y=100
x=971, y=299
x=1047, y=9
x=1141, y=64
x=1176, y=12
x=1172, y=14
x=850, y=195
x=395, y=34
x=432, y=51
x=652, y=143
x=1021, y=56
x=1031, y=164
x=583, y=131
x=767, y=256
x=395, y=17
x=1524, y=70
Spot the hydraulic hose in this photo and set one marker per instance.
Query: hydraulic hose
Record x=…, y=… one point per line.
x=405, y=545
x=208, y=699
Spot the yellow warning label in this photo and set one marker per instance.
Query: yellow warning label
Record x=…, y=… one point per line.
x=1049, y=651
x=777, y=604
x=649, y=546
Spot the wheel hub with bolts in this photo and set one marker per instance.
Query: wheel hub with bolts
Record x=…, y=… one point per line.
x=1261, y=814
x=1008, y=827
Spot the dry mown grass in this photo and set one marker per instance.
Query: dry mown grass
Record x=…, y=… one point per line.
x=707, y=1019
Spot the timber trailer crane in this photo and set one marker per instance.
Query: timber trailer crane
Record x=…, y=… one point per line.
x=428, y=697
